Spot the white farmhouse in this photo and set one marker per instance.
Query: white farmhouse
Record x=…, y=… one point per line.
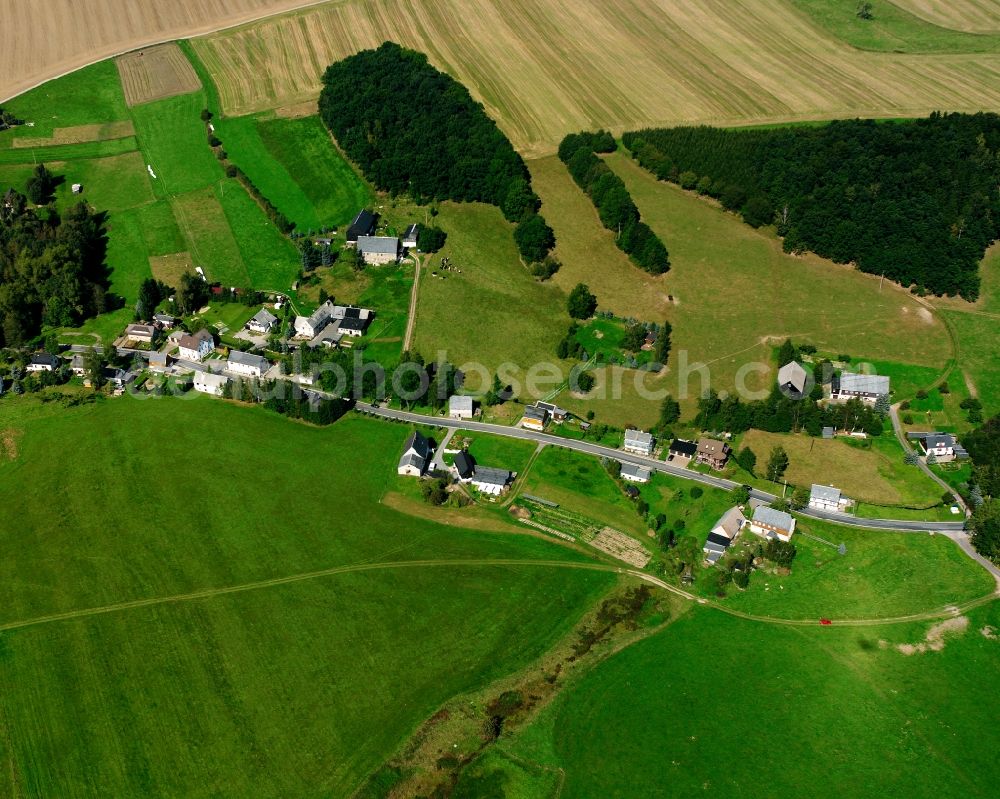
x=635, y=474
x=247, y=364
x=210, y=383
x=196, y=347
x=460, y=407
x=263, y=322
x=867, y=388
x=416, y=455
x=827, y=498
x=491, y=481
x=771, y=523
x=639, y=442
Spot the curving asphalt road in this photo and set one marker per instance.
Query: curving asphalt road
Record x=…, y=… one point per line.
x=898, y=525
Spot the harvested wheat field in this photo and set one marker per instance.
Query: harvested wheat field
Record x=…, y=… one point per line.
x=156, y=72
x=543, y=68
x=41, y=40
x=974, y=16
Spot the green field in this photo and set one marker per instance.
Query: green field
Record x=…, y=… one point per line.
x=498, y=451
x=579, y=483
x=892, y=29
x=493, y=311
x=304, y=148
x=90, y=95
x=724, y=707
x=300, y=681
x=295, y=165
x=876, y=578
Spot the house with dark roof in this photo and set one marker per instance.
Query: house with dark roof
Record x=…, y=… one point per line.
x=352, y=321
x=164, y=320
x=713, y=453
x=941, y=447
x=679, y=448
x=465, y=466
x=534, y=418
x=416, y=455
x=557, y=414
x=362, y=225
x=410, y=236
x=43, y=362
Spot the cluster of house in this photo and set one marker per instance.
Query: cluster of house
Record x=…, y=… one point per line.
x=47, y=362
x=377, y=250
x=765, y=522
x=708, y=451
x=794, y=380
x=940, y=447
x=329, y=323
x=417, y=456
x=540, y=414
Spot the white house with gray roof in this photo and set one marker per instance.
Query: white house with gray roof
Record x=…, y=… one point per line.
x=460, y=407
x=416, y=455
x=376, y=250
x=263, y=322
x=827, y=498
x=246, y=364
x=310, y=326
x=639, y=442
x=491, y=481
x=210, y=383
x=867, y=388
x=635, y=474
x=771, y=523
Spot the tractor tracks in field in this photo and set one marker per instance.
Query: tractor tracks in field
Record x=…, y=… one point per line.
x=212, y=593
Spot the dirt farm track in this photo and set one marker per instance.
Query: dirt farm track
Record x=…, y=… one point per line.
x=542, y=68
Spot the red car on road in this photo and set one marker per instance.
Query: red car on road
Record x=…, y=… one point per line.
x=825, y=621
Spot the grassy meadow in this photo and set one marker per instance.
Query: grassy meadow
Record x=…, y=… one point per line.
x=295, y=165
x=302, y=680
x=491, y=310
x=872, y=471
x=882, y=575
x=758, y=295
x=855, y=714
